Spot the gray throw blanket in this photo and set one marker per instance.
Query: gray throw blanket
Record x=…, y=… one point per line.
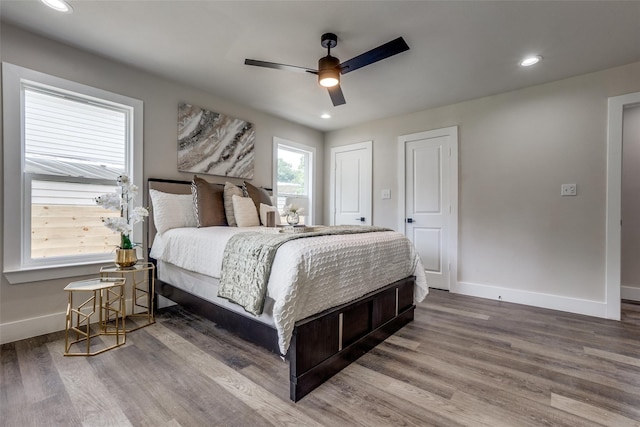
x=247, y=260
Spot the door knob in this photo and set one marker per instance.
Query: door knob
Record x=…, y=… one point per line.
x=410, y=220
x=361, y=219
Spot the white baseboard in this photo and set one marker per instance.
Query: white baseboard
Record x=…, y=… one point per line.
x=631, y=293
x=27, y=328
x=554, y=302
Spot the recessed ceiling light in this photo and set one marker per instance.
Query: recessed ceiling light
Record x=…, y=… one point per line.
x=530, y=60
x=326, y=116
x=59, y=5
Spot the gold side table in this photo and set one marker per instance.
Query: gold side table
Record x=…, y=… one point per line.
x=141, y=278
x=107, y=299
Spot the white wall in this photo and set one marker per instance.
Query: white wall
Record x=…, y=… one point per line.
x=35, y=308
x=518, y=237
x=630, y=242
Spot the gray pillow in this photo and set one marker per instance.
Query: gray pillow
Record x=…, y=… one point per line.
x=258, y=195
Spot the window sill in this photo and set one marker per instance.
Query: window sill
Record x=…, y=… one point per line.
x=37, y=274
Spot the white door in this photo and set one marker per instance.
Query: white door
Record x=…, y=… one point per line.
x=351, y=177
x=430, y=205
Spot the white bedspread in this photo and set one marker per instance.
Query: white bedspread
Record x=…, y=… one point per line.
x=308, y=275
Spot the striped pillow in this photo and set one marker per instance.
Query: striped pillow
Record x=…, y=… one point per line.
x=229, y=190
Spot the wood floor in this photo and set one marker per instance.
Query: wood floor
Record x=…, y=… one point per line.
x=463, y=361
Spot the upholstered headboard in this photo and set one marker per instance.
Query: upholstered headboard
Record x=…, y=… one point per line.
x=166, y=186
x=181, y=187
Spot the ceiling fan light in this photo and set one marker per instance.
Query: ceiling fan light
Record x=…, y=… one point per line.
x=328, y=72
x=328, y=81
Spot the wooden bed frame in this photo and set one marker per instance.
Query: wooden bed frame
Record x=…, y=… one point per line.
x=322, y=344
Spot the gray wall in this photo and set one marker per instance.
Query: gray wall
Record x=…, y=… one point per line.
x=44, y=302
x=516, y=232
x=630, y=268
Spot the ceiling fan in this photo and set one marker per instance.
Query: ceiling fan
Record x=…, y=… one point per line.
x=330, y=68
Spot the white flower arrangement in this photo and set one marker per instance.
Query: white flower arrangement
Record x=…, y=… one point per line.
x=121, y=201
x=287, y=209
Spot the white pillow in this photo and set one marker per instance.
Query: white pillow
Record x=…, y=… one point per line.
x=172, y=210
x=263, y=213
x=245, y=211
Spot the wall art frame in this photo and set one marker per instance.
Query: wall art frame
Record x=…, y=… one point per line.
x=214, y=144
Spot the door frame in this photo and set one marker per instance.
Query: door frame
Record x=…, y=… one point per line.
x=616, y=106
x=366, y=145
x=452, y=133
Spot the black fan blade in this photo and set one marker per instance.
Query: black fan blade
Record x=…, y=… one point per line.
x=379, y=53
x=336, y=95
x=279, y=66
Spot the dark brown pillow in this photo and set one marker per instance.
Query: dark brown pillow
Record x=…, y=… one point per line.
x=258, y=195
x=209, y=202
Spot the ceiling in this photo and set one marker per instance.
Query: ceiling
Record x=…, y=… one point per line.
x=459, y=50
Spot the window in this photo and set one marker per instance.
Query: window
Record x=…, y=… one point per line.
x=294, y=177
x=65, y=144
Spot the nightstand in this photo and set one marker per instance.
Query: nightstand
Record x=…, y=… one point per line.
x=141, y=279
x=107, y=300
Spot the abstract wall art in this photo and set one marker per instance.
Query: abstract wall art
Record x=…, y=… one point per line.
x=214, y=144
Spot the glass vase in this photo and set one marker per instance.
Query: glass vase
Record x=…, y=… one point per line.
x=293, y=218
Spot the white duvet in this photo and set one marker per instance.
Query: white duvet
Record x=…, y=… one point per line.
x=309, y=275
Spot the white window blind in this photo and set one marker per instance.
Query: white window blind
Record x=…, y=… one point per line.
x=66, y=193
x=67, y=136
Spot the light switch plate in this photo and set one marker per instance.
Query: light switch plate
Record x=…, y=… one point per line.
x=386, y=194
x=568, y=190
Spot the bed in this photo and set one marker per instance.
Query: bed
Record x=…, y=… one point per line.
x=328, y=300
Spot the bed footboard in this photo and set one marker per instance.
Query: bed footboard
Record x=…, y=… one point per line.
x=324, y=344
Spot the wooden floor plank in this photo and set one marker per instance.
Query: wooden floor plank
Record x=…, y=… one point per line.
x=617, y=389
x=463, y=361
x=184, y=391
x=374, y=407
x=459, y=312
x=132, y=388
x=402, y=342
x=91, y=401
x=42, y=385
x=425, y=377
x=432, y=405
x=591, y=412
x=274, y=410
x=621, y=358
x=12, y=390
